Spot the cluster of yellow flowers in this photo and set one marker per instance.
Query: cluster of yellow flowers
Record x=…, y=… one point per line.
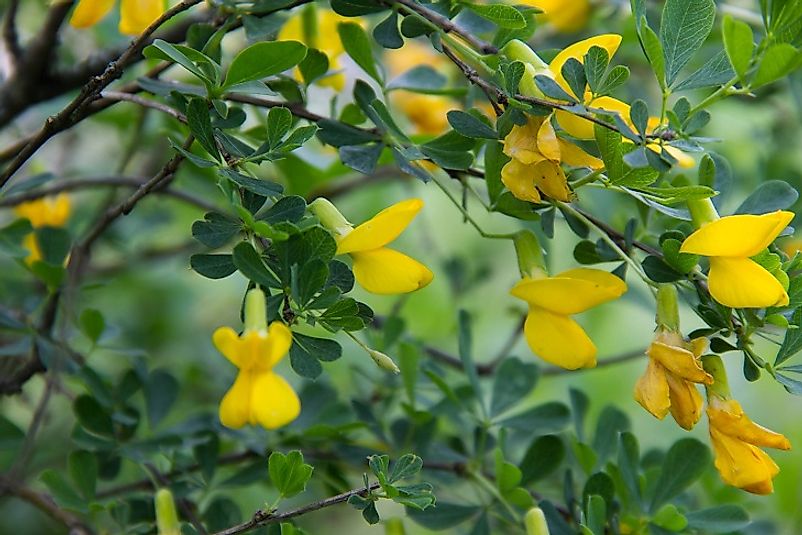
x=135, y=15
x=44, y=212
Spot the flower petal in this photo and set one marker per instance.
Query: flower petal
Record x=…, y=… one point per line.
x=570, y=292
x=547, y=142
x=520, y=180
x=88, y=12
x=680, y=362
x=566, y=16
x=227, y=342
x=582, y=128
x=686, y=401
x=737, y=235
x=651, y=390
x=728, y=417
x=386, y=271
x=684, y=160
x=550, y=179
x=274, y=403
x=521, y=143
x=742, y=283
x=381, y=229
x=235, y=408
x=279, y=340
x=572, y=155
x=558, y=339
x=743, y=465
x=609, y=42
x=137, y=15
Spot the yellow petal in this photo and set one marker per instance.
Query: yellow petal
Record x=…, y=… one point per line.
x=385, y=271
x=381, y=229
x=570, y=292
x=742, y=283
x=547, y=142
x=31, y=244
x=686, y=401
x=89, y=12
x=550, y=179
x=137, y=15
x=582, y=128
x=559, y=340
x=273, y=401
x=567, y=16
x=293, y=31
x=743, y=465
x=572, y=155
x=684, y=159
x=235, y=408
x=227, y=342
x=729, y=418
x=279, y=338
x=737, y=235
x=427, y=112
x=521, y=143
x=46, y=212
x=679, y=361
x=609, y=42
x=651, y=390
x=520, y=180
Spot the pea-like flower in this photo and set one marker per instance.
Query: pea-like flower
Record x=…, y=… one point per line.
x=135, y=15
x=259, y=396
x=736, y=440
x=44, y=212
x=668, y=383
x=549, y=329
x=536, y=154
x=735, y=280
x=567, y=16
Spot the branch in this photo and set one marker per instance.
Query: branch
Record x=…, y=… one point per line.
x=263, y=518
x=445, y=24
x=45, y=503
x=122, y=96
x=10, y=36
x=89, y=92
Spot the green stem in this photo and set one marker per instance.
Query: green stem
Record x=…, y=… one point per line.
x=667, y=307
x=468, y=217
x=702, y=211
x=715, y=96
x=593, y=176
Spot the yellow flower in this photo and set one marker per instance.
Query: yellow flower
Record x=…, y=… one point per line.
x=44, y=212
x=550, y=331
x=325, y=38
x=377, y=268
x=259, y=395
x=736, y=438
x=734, y=279
x=567, y=16
x=414, y=54
x=135, y=15
x=536, y=153
x=426, y=112
x=668, y=381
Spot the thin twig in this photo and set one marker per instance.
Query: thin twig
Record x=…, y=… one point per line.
x=10, y=35
x=263, y=518
x=445, y=24
x=147, y=103
x=18, y=470
x=45, y=503
x=612, y=361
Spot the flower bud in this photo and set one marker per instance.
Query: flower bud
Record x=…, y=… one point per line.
x=517, y=50
x=383, y=361
x=255, y=310
x=530, y=257
x=166, y=518
x=394, y=526
x=535, y=522
x=715, y=367
x=330, y=217
x=667, y=308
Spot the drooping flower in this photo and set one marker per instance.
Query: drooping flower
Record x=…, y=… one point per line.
x=735, y=439
x=377, y=268
x=135, y=15
x=566, y=16
x=668, y=382
x=735, y=280
x=258, y=396
x=324, y=37
x=549, y=329
x=44, y=212
x=536, y=153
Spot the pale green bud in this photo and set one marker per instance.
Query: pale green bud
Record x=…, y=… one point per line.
x=166, y=517
x=383, y=361
x=530, y=257
x=255, y=310
x=330, y=217
x=535, y=522
x=394, y=526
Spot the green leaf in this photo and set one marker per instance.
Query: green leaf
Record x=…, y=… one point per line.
x=92, y=416
x=465, y=345
x=92, y=324
x=658, y=271
x=288, y=473
x=714, y=72
x=279, y=122
x=356, y=8
x=201, y=125
x=501, y=15
x=629, y=464
x=306, y=352
x=595, y=65
x=54, y=244
x=721, y=519
x=495, y=159
x=639, y=114
x=469, y=125
x=551, y=89
x=653, y=50
x=357, y=45
x=421, y=79
x=287, y=209
x=184, y=56
x=250, y=264
x=684, y=27
x=362, y=158
x=792, y=343
x=668, y=517
x=386, y=32
x=215, y=230
x=738, y=43
x=62, y=491
x=11, y=436
x=339, y=134
x=161, y=391
x=444, y=515
x=546, y=418
x=265, y=188
x=343, y=314
x=769, y=196
x=314, y=65
x=542, y=458
x=406, y=467
x=596, y=514
x=574, y=74
x=778, y=61
x=512, y=383
x=264, y=59
x=617, y=76
x=212, y=266
x=451, y=150
x=612, y=421
x=83, y=471
x=611, y=150
x=683, y=464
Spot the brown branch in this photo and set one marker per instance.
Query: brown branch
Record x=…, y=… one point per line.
x=10, y=35
x=263, y=518
x=144, y=102
x=612, y=361
x=45, y=503
x=445, y=24
x=89, y=92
